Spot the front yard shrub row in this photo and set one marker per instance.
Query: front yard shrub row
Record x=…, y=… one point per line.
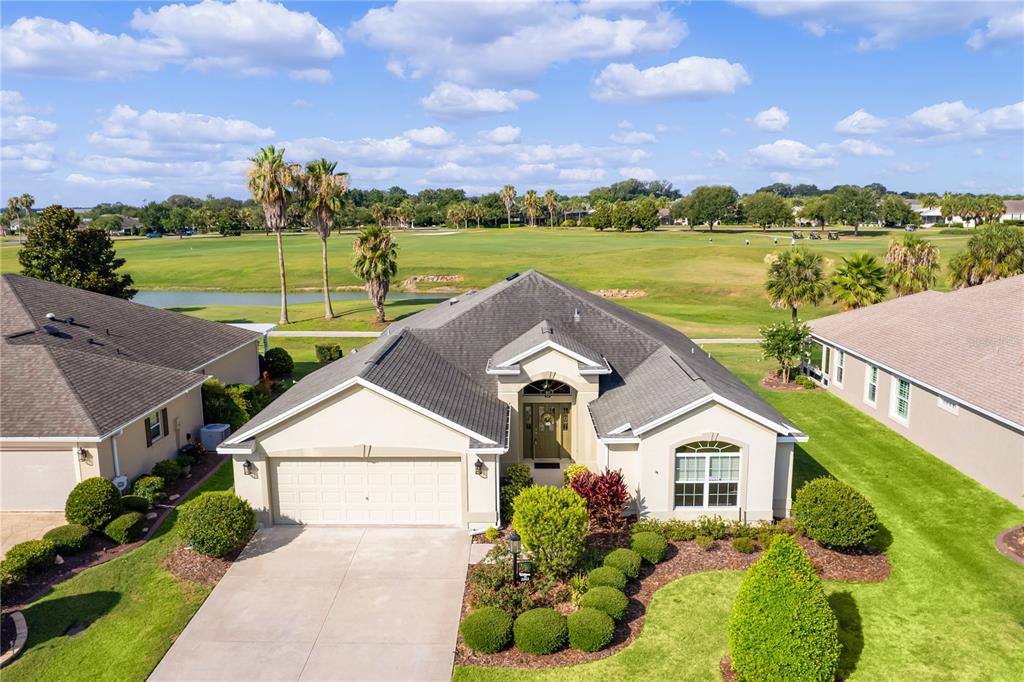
x=169, y=470
x=93, y=503
x=26, y=558
x=834, y=514
x=705, y=542
x=517, y=479
x=135, y=503
x=68, y=539
x=626, y=560
x=606, y=497
x=650, y=546
x=216, y=524
x=125, y=528
x=606, y=599
x=607, y=576
x=540, y=631
x=552, y=523
x=590, y=629
x=782, y=627
x=487, y=630
x=151, y=488
x=744, y=545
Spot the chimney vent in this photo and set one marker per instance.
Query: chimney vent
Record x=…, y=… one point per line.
x=576, y=315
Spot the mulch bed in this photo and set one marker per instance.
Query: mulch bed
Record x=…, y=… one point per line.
x=188, y=564
x=8, y=633
x=725, y=667
x=681, y=559
x=1011, y=543
x=775, y=383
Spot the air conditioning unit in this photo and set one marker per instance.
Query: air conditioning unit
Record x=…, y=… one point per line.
x=213, y=435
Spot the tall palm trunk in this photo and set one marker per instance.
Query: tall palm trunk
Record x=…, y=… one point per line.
x=508, y=212
x=283, y=318
x=795, y=317
x=328, y=310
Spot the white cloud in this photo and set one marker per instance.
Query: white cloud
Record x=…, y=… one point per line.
x=790, y=154
x=715, y=158
x=864, y=148
x=625, y=124
x=727, y=132
x=860, y=122
x=34, y=157
x=501, y=135
x=26, y=128
x=578, y=175
x=433, y=136
x=661, y=128
x=454, y=100
x=771, y=120
x=690, y=77
x=999, y=29
x=634, y=137
x=126, y=183
x=953, y=121
x=312, y=75
x=644, y=174
x=12, y=102
x=497, y=42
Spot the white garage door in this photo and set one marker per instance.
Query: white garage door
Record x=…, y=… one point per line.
x=36, y=480
x=367, y=491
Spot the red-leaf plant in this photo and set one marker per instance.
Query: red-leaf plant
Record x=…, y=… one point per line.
x=606, y=497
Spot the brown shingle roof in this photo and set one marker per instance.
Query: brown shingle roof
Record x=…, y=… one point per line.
x=967, y=343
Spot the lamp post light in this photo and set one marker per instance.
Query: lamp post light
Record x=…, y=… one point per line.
x=515, y=546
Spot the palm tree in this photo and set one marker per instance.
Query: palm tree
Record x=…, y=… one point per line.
x=376, y=263
x=994, y=252
x=323, y=192
x=455, y=214
x=531, y=202
x=508, y=197
x=912, y=265
x=407, y=213
x=860, y=281
x=269, y=179
x=796, y=277
x=381, y=213
x=26, y=201
x=551, y=201
x=478, y=213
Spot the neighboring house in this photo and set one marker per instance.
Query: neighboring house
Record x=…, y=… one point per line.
x=946, y=370
x=416, y=427
x=664, y=216
x=92, y=385
x=1014, y=210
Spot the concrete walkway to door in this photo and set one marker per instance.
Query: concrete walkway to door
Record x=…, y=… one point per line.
x=304, y=603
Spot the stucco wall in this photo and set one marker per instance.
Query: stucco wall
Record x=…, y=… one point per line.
x=184, y=415
x=987, y=451
x=241, y=366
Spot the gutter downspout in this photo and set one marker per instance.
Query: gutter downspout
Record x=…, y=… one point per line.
x=117, y=459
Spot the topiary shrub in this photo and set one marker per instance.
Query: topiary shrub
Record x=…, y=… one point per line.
x=572, y=471
x=832, y=513
x=607, y=599
x=782, y=627
x=125, y=528
x=279, y=363
x=590, y=629
x=327, y=352
x=149, y=487
x=135, y=503
x=517, y=478
x=552, y=523
x=169, y=470
x=24, y=559
x=217, y=523
x=540, y=631
x=650, y=546
x=607, y=576
x=626, y=560
x=68, y=539
x=487, y=630
x=93, y=503
x=744, y=545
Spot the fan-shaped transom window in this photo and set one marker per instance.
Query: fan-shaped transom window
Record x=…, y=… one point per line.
x=547, y=387
x=707, y=474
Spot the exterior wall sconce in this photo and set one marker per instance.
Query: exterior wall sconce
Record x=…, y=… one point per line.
x=479, y=467
x=83, y=455
x=247, y=468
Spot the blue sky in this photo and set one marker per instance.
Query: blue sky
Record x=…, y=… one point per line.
x=129, y=101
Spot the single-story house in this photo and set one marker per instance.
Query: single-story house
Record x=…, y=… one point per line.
x=419, y=426
x=93, y=385
x=1013, y=210
x=945, y=370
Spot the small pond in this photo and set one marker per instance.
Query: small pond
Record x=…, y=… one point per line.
x=186, y=299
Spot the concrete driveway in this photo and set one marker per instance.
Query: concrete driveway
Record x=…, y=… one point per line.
x=305, y=603
x=18, y=527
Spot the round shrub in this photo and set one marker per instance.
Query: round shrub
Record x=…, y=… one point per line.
x=492, y=533
x=782, y=627
x=832, y=513
x=135, y=503
x=572, y=471
x=487, y=630
x=169, y=470
x=125, y=528
x=93, y=503
x=650, y=546
x=149, y=487
x=24, y=559
x=606, y=599
x=744, y=545
x=217, y=523
x=68, y=539
x=626, y=560
x=279, y=363
x=590, y=629
x=607, y=576
x=540, y=631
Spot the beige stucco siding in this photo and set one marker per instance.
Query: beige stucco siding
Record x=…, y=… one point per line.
x=240, y=366
x=184, y=416
x=986, y=450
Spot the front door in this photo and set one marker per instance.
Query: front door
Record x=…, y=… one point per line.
x=547, y=430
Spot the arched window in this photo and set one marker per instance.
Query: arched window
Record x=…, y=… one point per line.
x=547, y=388
x=707, y=474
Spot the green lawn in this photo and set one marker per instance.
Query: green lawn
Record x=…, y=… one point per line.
x=708, y=285
x=303, y=350
x=135, y=607
x=952, y=609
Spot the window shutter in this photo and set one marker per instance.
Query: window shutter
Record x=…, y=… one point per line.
x=149, y=434
x=163, y=421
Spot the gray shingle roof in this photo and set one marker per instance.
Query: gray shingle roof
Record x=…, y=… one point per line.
x=541, y=333
x=89, y=375
x=438, y=358
x=967, y=343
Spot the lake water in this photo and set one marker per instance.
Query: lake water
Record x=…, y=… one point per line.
x=186, y=299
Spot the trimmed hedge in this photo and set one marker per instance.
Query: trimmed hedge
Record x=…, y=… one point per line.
x=626, y=560
x=68, y=539
x=327, y=352
x=24, y=559
x=135, y=503
x=217, y=523
x=650, y=546
x=93, y=503
x=169, y=470
x=487, y=630
x=279, y=363
x=540, y=631
x=782, y=627
x=590, y=629
x=607, y=576
x=833, y=513
x=149, y=487
x=125, y=528
x=606, y=599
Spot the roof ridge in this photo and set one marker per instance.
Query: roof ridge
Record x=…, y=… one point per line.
x=14, y=292
x=71, y=386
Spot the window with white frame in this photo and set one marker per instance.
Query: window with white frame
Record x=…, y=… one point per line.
x=707, y=474
x=948, y=405
x=871, y=385
x=900, y=407
x=840, y=367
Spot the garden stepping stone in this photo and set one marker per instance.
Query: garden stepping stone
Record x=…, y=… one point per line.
x=173, y=497
x=151, y=515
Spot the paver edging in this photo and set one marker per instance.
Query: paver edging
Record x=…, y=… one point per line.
x=1004, y=548
x=20, y=638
